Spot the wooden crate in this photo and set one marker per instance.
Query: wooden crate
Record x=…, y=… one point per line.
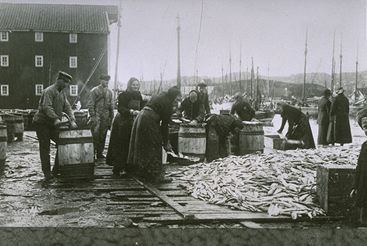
x=334, y=184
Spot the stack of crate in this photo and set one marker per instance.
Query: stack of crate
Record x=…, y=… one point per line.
x=334, y=184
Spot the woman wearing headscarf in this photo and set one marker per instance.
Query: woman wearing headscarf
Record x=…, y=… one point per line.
x=298, y=125
x=129, y=104
x=149, y=134
x=323, y=117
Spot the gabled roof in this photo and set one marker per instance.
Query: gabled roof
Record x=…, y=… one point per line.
x=57, y=17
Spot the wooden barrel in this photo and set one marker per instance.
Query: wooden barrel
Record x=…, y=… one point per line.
x=10, y=127
x=251, y=138
x=192, y=140
x=25, y=115
x=76, y=154
x=3, y=143
x=81, y=119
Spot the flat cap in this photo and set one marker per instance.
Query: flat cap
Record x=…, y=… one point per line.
x=105, y=77
x=64, y=76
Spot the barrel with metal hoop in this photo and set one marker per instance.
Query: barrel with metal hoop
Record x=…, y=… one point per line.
x=14, y=125
x=76, y=154
x=251, y=138
x=192, y=140
x=3, y=143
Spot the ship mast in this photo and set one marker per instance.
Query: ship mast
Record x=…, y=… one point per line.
x=304, y=71
x=341, y=62
x=240, y=68
x=356, y=85
x=332, y=83
x=230, y=71
x=252, y=77
x=178, y=54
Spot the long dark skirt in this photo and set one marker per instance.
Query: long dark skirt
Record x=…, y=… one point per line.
x=302, y=131
x=118, y=148
x=361, y=178
x=323, y=130
x=145, y=154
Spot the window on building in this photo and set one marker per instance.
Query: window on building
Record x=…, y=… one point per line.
x=4, y=36
x=39, y=89
x=4, y=60
x=4, y=90
x=73, y=90
x=38, y=36
x=38, y=61
x=73, y=62
x=73, y=38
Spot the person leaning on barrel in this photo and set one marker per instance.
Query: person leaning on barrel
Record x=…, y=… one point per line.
x=192, y=108
x=47, y=120
x=242, y=108
x=130, y=103
x=101, y=114
x=298, y=125
x=149, y=134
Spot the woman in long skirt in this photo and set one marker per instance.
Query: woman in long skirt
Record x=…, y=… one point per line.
x=129, y=104
x=149, y=134
x=323, y=117
x=298, y=125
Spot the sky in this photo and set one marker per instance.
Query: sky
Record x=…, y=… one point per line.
x=272, y=32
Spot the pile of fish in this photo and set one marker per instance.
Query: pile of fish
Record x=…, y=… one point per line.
x=279, y=183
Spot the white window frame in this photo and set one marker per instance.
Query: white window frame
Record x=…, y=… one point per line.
x=38, y=36
x=2, y=63
x=36, y=87
x=75, y=88
x=73, y=38
x=6, y=38
x=7, y=90
x=35, y=61
x=75, y=65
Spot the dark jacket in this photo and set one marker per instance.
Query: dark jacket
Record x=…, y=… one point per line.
x=129, y=100
x=340, y=113
x=51, y=106
x=205, y=101
x=323, y=119
x=192, y=111
x=243, y=109
x=360, y=181
x=162, y=104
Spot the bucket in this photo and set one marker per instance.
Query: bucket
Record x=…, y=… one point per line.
x=251, y=138
x=3, y=143
x=81, y=119
x=192, y=140
x=76, y=154
x=18, y=122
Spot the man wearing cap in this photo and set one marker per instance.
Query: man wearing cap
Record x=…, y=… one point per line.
x=101, y=114
x=47, y=120
x=340, y=116
x=203, y=96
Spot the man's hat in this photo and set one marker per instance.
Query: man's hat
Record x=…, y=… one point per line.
x=340, y=90
x=64, y=76
x=105, y=77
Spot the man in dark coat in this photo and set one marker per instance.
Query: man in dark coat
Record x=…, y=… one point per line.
x=192, y=108
x=323, y=117
x=298, y=125
x=47, y=121
x=243, y=109
x=203, y=96
x=340, y=116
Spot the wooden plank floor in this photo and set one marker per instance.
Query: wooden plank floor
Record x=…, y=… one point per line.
x=164, y=203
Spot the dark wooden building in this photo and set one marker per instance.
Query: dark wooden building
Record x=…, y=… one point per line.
x=38, y=40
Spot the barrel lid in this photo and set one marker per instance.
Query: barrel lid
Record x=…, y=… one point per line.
x=191, y=126
x=254, y=123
